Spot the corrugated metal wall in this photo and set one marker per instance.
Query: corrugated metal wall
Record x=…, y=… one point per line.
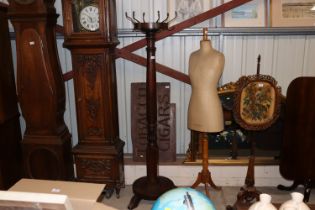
x=283, y=57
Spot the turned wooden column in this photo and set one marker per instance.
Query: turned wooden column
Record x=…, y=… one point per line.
x=150, y=187
x=152, y=152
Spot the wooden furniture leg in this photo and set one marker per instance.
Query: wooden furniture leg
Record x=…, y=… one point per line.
x=248, y=193
x=289, y=188
x=307, y=190
x=204, y=176
x=234, y=148
x=308, y=184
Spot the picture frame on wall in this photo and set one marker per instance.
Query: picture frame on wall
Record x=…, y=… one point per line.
x=292, y=13
x=189, y=8
x=251, y=14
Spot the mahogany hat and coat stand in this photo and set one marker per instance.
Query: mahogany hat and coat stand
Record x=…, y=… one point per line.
x=150, y=187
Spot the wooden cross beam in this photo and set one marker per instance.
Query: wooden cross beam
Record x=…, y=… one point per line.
x=160, y=68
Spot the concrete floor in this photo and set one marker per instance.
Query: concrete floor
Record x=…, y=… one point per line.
x=221, y=199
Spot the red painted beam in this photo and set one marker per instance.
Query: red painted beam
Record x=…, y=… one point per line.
x=59, y=29
x=159, y=67
x=68, y=76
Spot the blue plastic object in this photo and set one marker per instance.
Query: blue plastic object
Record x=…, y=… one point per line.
x=183, y=198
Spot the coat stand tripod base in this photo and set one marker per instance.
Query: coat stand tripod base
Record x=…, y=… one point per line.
x=145, y=189
x=204, y=176
x=151, y=186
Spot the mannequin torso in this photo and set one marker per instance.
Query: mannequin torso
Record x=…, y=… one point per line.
x=205, y=68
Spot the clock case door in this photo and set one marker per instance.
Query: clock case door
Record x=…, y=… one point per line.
x=99, y=153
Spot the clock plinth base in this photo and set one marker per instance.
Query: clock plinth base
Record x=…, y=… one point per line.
x=144, y=189
x=101, y=164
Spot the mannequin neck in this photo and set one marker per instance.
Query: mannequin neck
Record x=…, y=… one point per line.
x=205, y=46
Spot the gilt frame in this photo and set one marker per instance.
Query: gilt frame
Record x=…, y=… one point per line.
x=257, y=102
x=292, y=13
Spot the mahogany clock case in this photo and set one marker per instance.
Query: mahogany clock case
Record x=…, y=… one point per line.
x=99, y=153
x=46, y=142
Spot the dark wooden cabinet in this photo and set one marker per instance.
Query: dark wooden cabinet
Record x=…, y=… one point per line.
x=297, y=157
x=91, y=36
x=10, y=132
x=46, y=142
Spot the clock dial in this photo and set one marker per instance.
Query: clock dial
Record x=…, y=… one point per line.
x=89, y=18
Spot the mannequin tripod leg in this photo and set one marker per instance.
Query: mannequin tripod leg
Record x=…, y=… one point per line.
x=205, y=176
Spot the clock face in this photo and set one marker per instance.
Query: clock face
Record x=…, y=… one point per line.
x=89, y=18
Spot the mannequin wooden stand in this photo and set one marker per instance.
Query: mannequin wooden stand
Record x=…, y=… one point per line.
x=204, y=176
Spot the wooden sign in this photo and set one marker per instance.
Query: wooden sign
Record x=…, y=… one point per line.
x=166, y=136
x=166, y=124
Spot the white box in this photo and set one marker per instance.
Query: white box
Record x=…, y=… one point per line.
x=83, y=196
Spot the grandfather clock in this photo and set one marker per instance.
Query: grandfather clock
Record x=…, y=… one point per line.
x=91, y=36
x=46, y=144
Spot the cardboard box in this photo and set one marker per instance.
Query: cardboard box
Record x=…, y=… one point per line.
x=83, y=196
x=30, y=200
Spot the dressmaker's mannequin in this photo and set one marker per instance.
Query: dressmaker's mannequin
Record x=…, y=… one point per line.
x=205, y=110
x=205, y=68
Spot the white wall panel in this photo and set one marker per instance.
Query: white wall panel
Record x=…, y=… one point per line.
x=13, y=47
x=309, y=61
x=288, y=59
x=58, y=7
x=232, y=49
x=70, y=113
x=124, y=124
x=120, y=13
x=162, y=7
x=127, y=73
x=170, y=52
x=254, y=46
x=150, y=7
x=130, y=6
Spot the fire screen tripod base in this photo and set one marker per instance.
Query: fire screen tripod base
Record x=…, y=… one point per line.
x=151, y=186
